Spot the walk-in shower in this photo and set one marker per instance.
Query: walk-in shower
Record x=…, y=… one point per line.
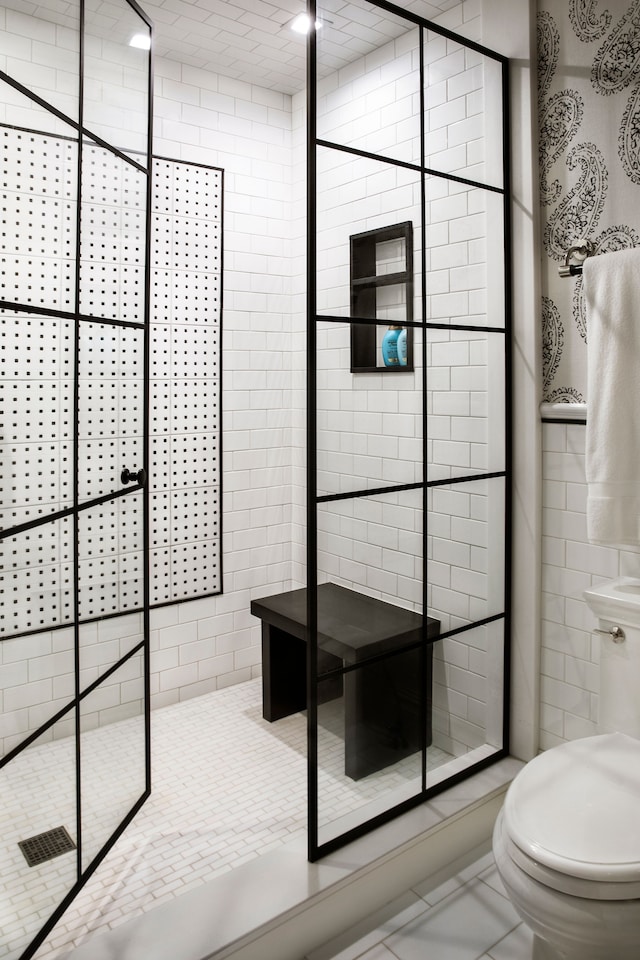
x=113, y=594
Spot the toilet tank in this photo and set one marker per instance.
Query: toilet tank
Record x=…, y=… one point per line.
x=616, y=603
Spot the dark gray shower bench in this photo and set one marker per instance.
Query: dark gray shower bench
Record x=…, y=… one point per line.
x=381, y=699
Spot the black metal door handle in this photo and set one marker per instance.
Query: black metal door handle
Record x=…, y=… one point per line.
x=128, y=477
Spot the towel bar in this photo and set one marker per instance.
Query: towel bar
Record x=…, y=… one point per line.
x=581, y=250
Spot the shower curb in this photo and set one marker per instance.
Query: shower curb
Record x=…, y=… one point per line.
x=280, y=907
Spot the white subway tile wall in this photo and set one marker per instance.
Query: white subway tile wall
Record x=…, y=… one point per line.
x=570, y=651
x=207, y=644
x=30, y=52
x=370, y=425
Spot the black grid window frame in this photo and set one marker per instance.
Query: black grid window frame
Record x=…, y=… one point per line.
x=316, y=848
x=84, y=138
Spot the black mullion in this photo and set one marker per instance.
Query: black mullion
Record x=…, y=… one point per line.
x=146, y=506
x=75, y=124
x=76, y=448
x=188, y=163
x=141, y=13
x=405, y=164
x=95, y=139
x=64, y=710
x=372, y=492
x=508, y=408
x=450, y=481
x=464, y=327
x=415, y=18
x=428, y=325
x=312, y=464
x=425, y=439
x=26, y=92
x=67, y=315
x=67, y=512
x=405, y=487
x=79, y=884
x=391, y=813
x=42, y=133
x=220, y=438
x=409, y=647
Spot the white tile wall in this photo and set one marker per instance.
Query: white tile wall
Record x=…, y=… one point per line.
x=374, y=545
x=200, y=117
x=257, y=136
x=570, y=651
x=206, y=644
x=30, y=52
x=186, y=362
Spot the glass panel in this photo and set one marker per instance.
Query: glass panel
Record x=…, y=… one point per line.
x=355, y=195
x=116, y=76
x=104, y=642
x=37, y=794
x=468, y=675
x=465, y=403
x=38, y=219
x=36, y=677
x=112, y=754
x=369, y=743
x=36, y=580
x=110, y=545
x=463, y=111
x=464, y=284
x=374, y=106
x=373, y=545
x=42, y=53
x=110, y=407
x=113, y=237
x=466, y=543
x=36, y=389
x=391, y=256
x=369, y=426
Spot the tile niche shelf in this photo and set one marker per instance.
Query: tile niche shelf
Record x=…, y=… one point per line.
x=381, y=277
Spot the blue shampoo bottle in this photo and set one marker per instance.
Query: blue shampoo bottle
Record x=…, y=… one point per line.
x=390, y=347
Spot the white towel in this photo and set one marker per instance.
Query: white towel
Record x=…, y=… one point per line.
x=611, y=285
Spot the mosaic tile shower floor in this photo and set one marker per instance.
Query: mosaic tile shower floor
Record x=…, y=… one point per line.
x=227, y=786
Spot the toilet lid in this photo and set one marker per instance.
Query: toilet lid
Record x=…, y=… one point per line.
x=576, y=808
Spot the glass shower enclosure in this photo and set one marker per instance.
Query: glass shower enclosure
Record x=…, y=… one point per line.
x=408, y=365
x=75, y=123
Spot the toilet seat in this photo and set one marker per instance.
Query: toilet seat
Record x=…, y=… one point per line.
x=572, y=818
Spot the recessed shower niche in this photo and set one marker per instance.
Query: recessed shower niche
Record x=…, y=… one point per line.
x=381, y=278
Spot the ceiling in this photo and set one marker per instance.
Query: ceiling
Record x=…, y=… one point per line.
x=248, y=40
x=251, y=40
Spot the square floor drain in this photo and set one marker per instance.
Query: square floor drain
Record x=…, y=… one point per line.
x=46, y=846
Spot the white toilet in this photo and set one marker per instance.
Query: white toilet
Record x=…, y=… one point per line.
x=567, y=840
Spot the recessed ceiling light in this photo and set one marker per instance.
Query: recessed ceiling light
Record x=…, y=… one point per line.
x=302, y=23
x=141, y=40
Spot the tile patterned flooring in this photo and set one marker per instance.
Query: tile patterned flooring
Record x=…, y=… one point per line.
x=227, y=786
x=466, y=916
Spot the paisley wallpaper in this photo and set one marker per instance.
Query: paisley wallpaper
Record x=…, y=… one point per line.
x=589, y=143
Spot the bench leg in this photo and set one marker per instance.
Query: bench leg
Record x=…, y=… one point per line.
x=284, y=673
